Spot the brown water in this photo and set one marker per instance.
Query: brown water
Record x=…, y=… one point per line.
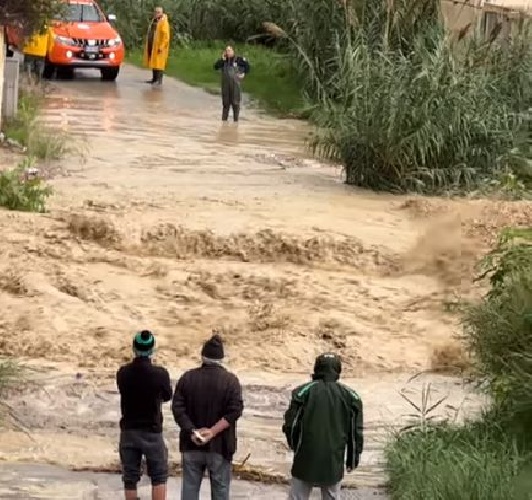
x=182, y=225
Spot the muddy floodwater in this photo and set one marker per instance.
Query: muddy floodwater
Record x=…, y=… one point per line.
x=177, y=223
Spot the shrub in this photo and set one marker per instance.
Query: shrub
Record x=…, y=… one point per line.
x=40, y=143
x=489, y=458
x=450, y=462
x=400, y=104
x=499, y=329
x=27, y=13
x=200, y=20
x=18, y=191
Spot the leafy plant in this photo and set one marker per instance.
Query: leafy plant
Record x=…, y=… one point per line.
x=499, y=329
x=476, y=461
x=20, y=191
x=40, y=142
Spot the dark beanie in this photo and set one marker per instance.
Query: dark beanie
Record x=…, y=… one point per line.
x=143, y=343
x=213, y=348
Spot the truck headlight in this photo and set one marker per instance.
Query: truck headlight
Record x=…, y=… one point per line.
x=115, y=42
x=64, y=40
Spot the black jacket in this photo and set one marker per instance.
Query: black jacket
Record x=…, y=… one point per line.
x=143, y=388
x=202, y=397
x=323, y=426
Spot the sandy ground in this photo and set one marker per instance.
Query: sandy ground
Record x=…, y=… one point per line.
x=177, y=223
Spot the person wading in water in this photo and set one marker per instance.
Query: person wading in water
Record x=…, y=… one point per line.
x=234, y=68
x=157, y=46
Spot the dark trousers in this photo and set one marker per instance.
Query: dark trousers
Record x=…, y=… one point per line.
x=194, y=464
x=134, y=444
x=157, y=76
x=236, y=112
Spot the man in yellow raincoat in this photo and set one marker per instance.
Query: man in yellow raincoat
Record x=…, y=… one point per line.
x=157, y=46
x=35, y=49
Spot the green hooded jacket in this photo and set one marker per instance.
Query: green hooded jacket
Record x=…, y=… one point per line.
x=323, y=426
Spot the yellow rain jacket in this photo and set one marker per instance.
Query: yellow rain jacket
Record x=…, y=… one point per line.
x=36, y=45
x=161, y=45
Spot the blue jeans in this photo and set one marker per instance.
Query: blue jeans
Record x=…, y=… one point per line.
x=194, y=464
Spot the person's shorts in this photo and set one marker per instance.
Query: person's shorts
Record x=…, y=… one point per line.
x=134, y=444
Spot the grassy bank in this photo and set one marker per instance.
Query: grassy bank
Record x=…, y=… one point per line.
x=490, y=458
x=474, y=462
x=271, y=81
x=41, y=143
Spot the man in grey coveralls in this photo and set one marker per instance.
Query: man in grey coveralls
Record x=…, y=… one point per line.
x=234, y=68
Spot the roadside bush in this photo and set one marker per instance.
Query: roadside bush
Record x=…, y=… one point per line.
x=421, y=122
x=450, y=462
x=499, y=329
x=40, y=143
x=492, y=457
x=27, y=13
x=399, y=103
x=194, y=19
x=19, y=191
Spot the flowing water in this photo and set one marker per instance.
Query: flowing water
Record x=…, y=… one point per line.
x=177, y=223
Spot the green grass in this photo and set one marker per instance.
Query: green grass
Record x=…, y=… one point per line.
x=40, y=142
x=271, y=81
x=447, y=462
x=21, y=193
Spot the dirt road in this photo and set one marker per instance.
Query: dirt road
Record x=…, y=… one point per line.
x=181, y=225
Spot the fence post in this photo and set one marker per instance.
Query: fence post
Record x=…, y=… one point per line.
x=10, y=91
x=2, y=57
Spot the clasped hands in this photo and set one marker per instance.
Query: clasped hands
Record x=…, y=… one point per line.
x=205, y=433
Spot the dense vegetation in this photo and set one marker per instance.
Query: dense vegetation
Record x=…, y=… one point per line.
x=492, y=457
x=29, y=14
x=400, y=103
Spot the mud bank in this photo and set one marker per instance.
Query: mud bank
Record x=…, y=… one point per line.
x=70, y=419
x=34, y=482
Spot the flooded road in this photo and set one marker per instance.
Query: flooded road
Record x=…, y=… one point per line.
x=177, y=223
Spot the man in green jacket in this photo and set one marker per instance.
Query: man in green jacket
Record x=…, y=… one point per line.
x=323, y=427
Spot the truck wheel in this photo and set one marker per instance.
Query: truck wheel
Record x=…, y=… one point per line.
x=48, y=72
x=109, y=74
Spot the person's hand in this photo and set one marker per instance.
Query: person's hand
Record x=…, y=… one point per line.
x=224, y=56
x=195, y=437
x=206, y=434
x=355, y=463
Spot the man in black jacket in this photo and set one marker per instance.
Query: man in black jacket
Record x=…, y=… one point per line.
x=323, y=426
x=207, y=404
x=143, y=388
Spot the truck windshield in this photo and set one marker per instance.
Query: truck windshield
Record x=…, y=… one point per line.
x=82, y=13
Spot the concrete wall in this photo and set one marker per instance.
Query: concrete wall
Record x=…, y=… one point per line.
x=458, y=14
x=11, y=85
x=483, y=15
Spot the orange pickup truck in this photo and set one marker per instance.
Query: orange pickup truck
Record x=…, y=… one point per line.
x=82, y=37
